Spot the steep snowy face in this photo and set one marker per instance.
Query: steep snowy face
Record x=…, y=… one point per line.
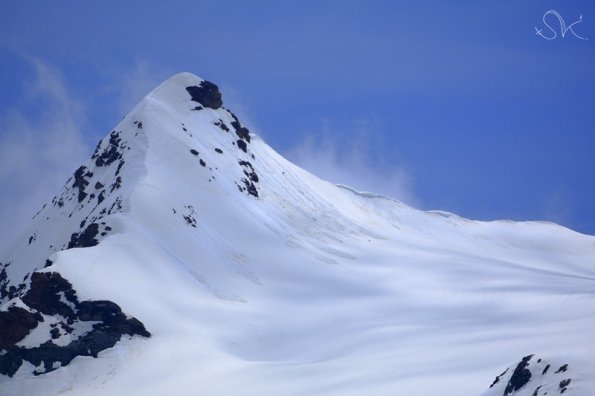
x=76, y=216
x=102, y=186
x=43, y=322
x=191, y=258
x=43, y=325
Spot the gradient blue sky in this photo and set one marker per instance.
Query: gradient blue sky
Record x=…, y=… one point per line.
x=451, y=105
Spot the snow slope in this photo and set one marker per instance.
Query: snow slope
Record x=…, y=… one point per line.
x=254, y=277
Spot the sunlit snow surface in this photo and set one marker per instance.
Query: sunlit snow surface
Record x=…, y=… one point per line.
x=309, y=288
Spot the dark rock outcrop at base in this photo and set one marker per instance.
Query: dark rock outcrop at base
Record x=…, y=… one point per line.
x=15, y=324
x=52, y=295
x=47, y=292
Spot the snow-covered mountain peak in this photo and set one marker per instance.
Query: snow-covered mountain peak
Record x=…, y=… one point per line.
x=44, y=319
x=190, y=257
x=163, y=132
x=175, y=90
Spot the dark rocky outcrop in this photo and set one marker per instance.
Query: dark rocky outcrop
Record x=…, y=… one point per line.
x=81, y=182
x=222, y=125
x=207, y=94
x=190, y=219
x=251, y=178
x=563, y=385
x=101, y=197
x=242, y=145
x=249, y=171
x=6, y=289
x=532, y=376
x=241, y=131
x=53, y=295
x=111, y=153
x=3, y=281
x=15, y=324
x=111, y=317
x=86, y=238
x=520, y=377
x=250, y=187
x=119, y=168
x=45, y=295
x=116, y=185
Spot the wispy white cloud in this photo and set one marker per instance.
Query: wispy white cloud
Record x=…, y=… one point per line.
x=556, y=207
x=350, y=158
x=41, y=143
x=134, y=84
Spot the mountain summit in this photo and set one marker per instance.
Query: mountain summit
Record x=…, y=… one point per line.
x=187, y=257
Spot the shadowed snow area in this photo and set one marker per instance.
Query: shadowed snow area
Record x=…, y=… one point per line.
x=254, y=277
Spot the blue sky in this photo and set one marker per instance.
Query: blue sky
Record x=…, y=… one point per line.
x=456, y=105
